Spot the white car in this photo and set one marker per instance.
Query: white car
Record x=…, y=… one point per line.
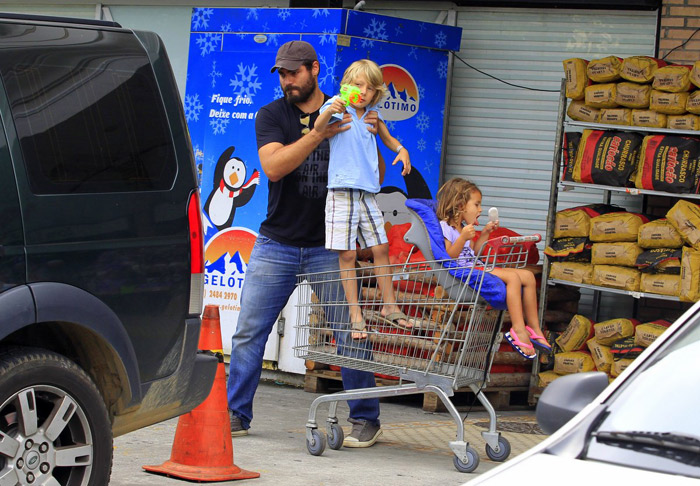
x=641, y=429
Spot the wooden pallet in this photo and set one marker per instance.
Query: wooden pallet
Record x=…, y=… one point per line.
x=502, y=396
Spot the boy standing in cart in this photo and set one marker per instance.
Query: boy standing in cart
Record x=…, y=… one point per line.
x=294, y=156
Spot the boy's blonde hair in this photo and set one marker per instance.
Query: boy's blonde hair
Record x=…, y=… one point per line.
x=371, y=72
x=452, y=197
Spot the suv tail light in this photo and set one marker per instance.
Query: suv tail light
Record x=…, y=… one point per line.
x=194, y=218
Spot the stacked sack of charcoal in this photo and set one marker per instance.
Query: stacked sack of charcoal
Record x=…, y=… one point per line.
x=638, y=90
x=609, y=346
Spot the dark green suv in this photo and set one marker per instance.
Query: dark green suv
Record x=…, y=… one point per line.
x=101, y=266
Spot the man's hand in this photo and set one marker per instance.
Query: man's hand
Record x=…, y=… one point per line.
x=331, y=129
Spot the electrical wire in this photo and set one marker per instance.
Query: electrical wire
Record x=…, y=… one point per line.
x=684, y=43
x=505, y=82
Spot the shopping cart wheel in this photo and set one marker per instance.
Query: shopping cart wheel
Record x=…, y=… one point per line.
x=501, y=453
x=472, y=461
x=335, y=437
x=317, y=445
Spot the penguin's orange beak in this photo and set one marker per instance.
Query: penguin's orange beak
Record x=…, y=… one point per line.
x=233, y=179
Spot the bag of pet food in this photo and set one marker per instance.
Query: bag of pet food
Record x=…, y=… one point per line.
x=633, y=95
x=572, y=272
x=602, y=357
x=574, y=337
x=640, y=69
x=646, y=333
x=616, y=227
x=685, y=217
x=690, y=275
x=693, y=103
x=668, y=103
x=571, y=141
x=573, y=222
x=659, y=234
x=683, y=122
x=660, y=260
x=604, y=70
x=607, y=332
x=669, y=163
x=607, y=157
x=576, y=77
x=601, y=95
x=649, y=118
x=580, y=112
x=573, y=362
x=673, y=79
x=623, y=278
x=623, y=253
x=625, y=348
x=616, y=116
x=659, y=283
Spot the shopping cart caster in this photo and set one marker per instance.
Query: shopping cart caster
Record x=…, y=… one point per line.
x=501, y=453
x=472, y=461
x=317, y=444
x=335, y=436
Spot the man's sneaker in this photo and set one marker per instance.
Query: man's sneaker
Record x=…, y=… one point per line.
x=236, y=425
x=364, y=434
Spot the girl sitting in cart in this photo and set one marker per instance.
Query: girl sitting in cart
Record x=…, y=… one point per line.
x=459, y=206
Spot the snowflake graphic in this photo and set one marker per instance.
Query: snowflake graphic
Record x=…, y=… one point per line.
x=328, y=36
x=440, y=39
x=420, y=145
x=208, y=43
x=327, y=70
x=200, y=17
x=226, y=27
x=398, y=31
x=214, y=74
x=391, y=125
x=284, y=13
x=423, y=122
x=427, y=166
x=321, y=12
x=192, y=107
x=376, y=30
x=413, y=52
x=252, y=14
x=246, y=81
x=442, y=70
x=242, y=33
x=265, y=27
x=421, y=91
x=218, y=126
x=273, y=39
x=367, y=43
x=438, y=145
x=302, y=25
x=278, y=92
x=198, y=154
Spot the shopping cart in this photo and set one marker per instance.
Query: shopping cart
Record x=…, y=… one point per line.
x=451, y=343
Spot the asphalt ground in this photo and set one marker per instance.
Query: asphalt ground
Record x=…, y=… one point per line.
x=413, y=449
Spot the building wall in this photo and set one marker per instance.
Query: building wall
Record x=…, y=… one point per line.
x=680, y=21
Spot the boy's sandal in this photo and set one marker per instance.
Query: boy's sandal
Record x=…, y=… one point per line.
x=518, y=345
x=538, y=345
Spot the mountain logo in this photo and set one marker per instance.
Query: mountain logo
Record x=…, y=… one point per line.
x=401, y=101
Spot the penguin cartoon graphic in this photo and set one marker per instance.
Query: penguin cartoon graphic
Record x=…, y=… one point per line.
x=231, y=189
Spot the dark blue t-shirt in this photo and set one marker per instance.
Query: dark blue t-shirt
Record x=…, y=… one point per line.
x=296, y=203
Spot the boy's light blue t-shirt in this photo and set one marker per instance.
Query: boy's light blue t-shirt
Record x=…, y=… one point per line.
x=353, y=163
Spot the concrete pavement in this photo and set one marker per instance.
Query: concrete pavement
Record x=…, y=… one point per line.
x=413, y=449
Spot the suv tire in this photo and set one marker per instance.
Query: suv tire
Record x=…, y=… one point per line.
x=53, y=421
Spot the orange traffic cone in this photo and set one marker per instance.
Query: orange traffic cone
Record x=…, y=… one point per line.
x=203, y=449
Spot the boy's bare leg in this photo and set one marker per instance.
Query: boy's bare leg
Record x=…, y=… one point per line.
x=514, y=302
x=346, y=262
x=383, y=273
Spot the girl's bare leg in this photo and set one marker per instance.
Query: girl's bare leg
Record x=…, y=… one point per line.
x=532, y=317
x=346, y=262
x=514, y=301
x=380, y=255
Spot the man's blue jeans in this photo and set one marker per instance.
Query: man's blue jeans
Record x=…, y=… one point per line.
x=269, y=281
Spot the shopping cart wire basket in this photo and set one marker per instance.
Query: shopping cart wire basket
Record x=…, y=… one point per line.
x=450, y=343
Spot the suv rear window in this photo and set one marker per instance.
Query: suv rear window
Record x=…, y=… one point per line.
x=87, y=115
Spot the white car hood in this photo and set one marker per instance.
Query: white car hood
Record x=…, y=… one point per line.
x=574, y=472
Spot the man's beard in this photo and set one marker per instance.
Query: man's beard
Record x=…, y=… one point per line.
x=304, y=92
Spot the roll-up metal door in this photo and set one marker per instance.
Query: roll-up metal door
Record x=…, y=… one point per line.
x=501, y=136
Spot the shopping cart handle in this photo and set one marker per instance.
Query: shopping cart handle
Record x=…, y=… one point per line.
x=509, y=240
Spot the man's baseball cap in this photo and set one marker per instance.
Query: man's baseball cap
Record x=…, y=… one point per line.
x=292, y=55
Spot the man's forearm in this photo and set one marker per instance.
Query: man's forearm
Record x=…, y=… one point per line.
x=279, y=160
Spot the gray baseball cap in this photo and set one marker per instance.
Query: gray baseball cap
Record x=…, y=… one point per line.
x=292, y=55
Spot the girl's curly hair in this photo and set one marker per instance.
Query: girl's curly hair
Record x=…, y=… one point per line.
x=452, y=197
